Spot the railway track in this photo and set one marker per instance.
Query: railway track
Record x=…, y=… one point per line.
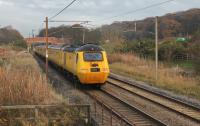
x=126, y=114
x=130, y=114
x=188, y=111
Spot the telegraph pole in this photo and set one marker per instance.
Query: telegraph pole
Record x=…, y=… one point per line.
x=156, y=46
x=33, y=33
x=46, y=48
x=135, y=26
x=83, y=35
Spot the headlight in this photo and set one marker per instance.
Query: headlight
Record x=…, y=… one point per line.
x=84, y=70
x=105, y=69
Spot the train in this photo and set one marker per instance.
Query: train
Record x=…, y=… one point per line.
x=88, y=63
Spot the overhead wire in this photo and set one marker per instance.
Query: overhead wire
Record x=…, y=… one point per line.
x=120, y=15
x=62, y=10
x=136, y=10
x=58, y=13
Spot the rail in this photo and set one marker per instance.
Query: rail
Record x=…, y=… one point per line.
x=190, y=111
x=113, y=112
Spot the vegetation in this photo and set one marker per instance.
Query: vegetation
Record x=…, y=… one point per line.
x=168, y=50
x=188, y=65
x=74, y=33
x=23, y=83
x=144, y=48
x=21, y=80
x=132, y=53
x=171, y=26
x=195, y=51
x=170, y=78
x=19, y=44
x=10, y=36
x=180, y=24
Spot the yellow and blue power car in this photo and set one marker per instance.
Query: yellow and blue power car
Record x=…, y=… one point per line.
x=88, y=63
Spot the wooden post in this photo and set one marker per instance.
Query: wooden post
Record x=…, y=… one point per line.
x=135, y=26
x=88, y=116
x=46, y=48
x=156, y=47
x=83, y=35
x=102, y=113
x=36, y=116
x=95, y=110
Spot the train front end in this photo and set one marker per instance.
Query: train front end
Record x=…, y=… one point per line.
x=92, y=65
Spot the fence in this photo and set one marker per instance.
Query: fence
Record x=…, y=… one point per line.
x=107, y=116
x=44, y=115
x=183, y=57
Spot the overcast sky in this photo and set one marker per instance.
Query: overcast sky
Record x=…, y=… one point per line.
x=26, y=15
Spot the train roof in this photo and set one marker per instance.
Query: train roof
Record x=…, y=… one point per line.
x=59, y=47
x=90, y=47
x=74, y=48
x=86, y=47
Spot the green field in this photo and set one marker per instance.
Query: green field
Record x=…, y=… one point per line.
x=185, y=64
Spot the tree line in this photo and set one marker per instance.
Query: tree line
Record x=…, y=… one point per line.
x=11, y=36
x=74, y=33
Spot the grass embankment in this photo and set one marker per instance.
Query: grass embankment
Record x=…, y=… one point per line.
x=188, y=65
x=144, y=70
x=21, y=80
x=23, y=83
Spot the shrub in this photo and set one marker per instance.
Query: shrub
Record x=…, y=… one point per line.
x=195, y=51
x=196, y=54
x=9, y=35
x=143, y=48
x=20, y=43
x=169, y=49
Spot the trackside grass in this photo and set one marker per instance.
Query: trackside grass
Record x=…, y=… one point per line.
x=170, y=79
x=22, y=82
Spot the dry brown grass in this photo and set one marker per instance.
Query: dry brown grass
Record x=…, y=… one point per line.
x=21, y=81
x=144, y=70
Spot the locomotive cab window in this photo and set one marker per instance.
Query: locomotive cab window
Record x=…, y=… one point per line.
x=93, y=56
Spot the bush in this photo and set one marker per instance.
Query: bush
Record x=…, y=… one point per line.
x=169, y=49
x=197, y=64
x=195, y=51
x=146, y=48
x=9, y=35
x=20, y=43
x=196, y=54
x=143, y=48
